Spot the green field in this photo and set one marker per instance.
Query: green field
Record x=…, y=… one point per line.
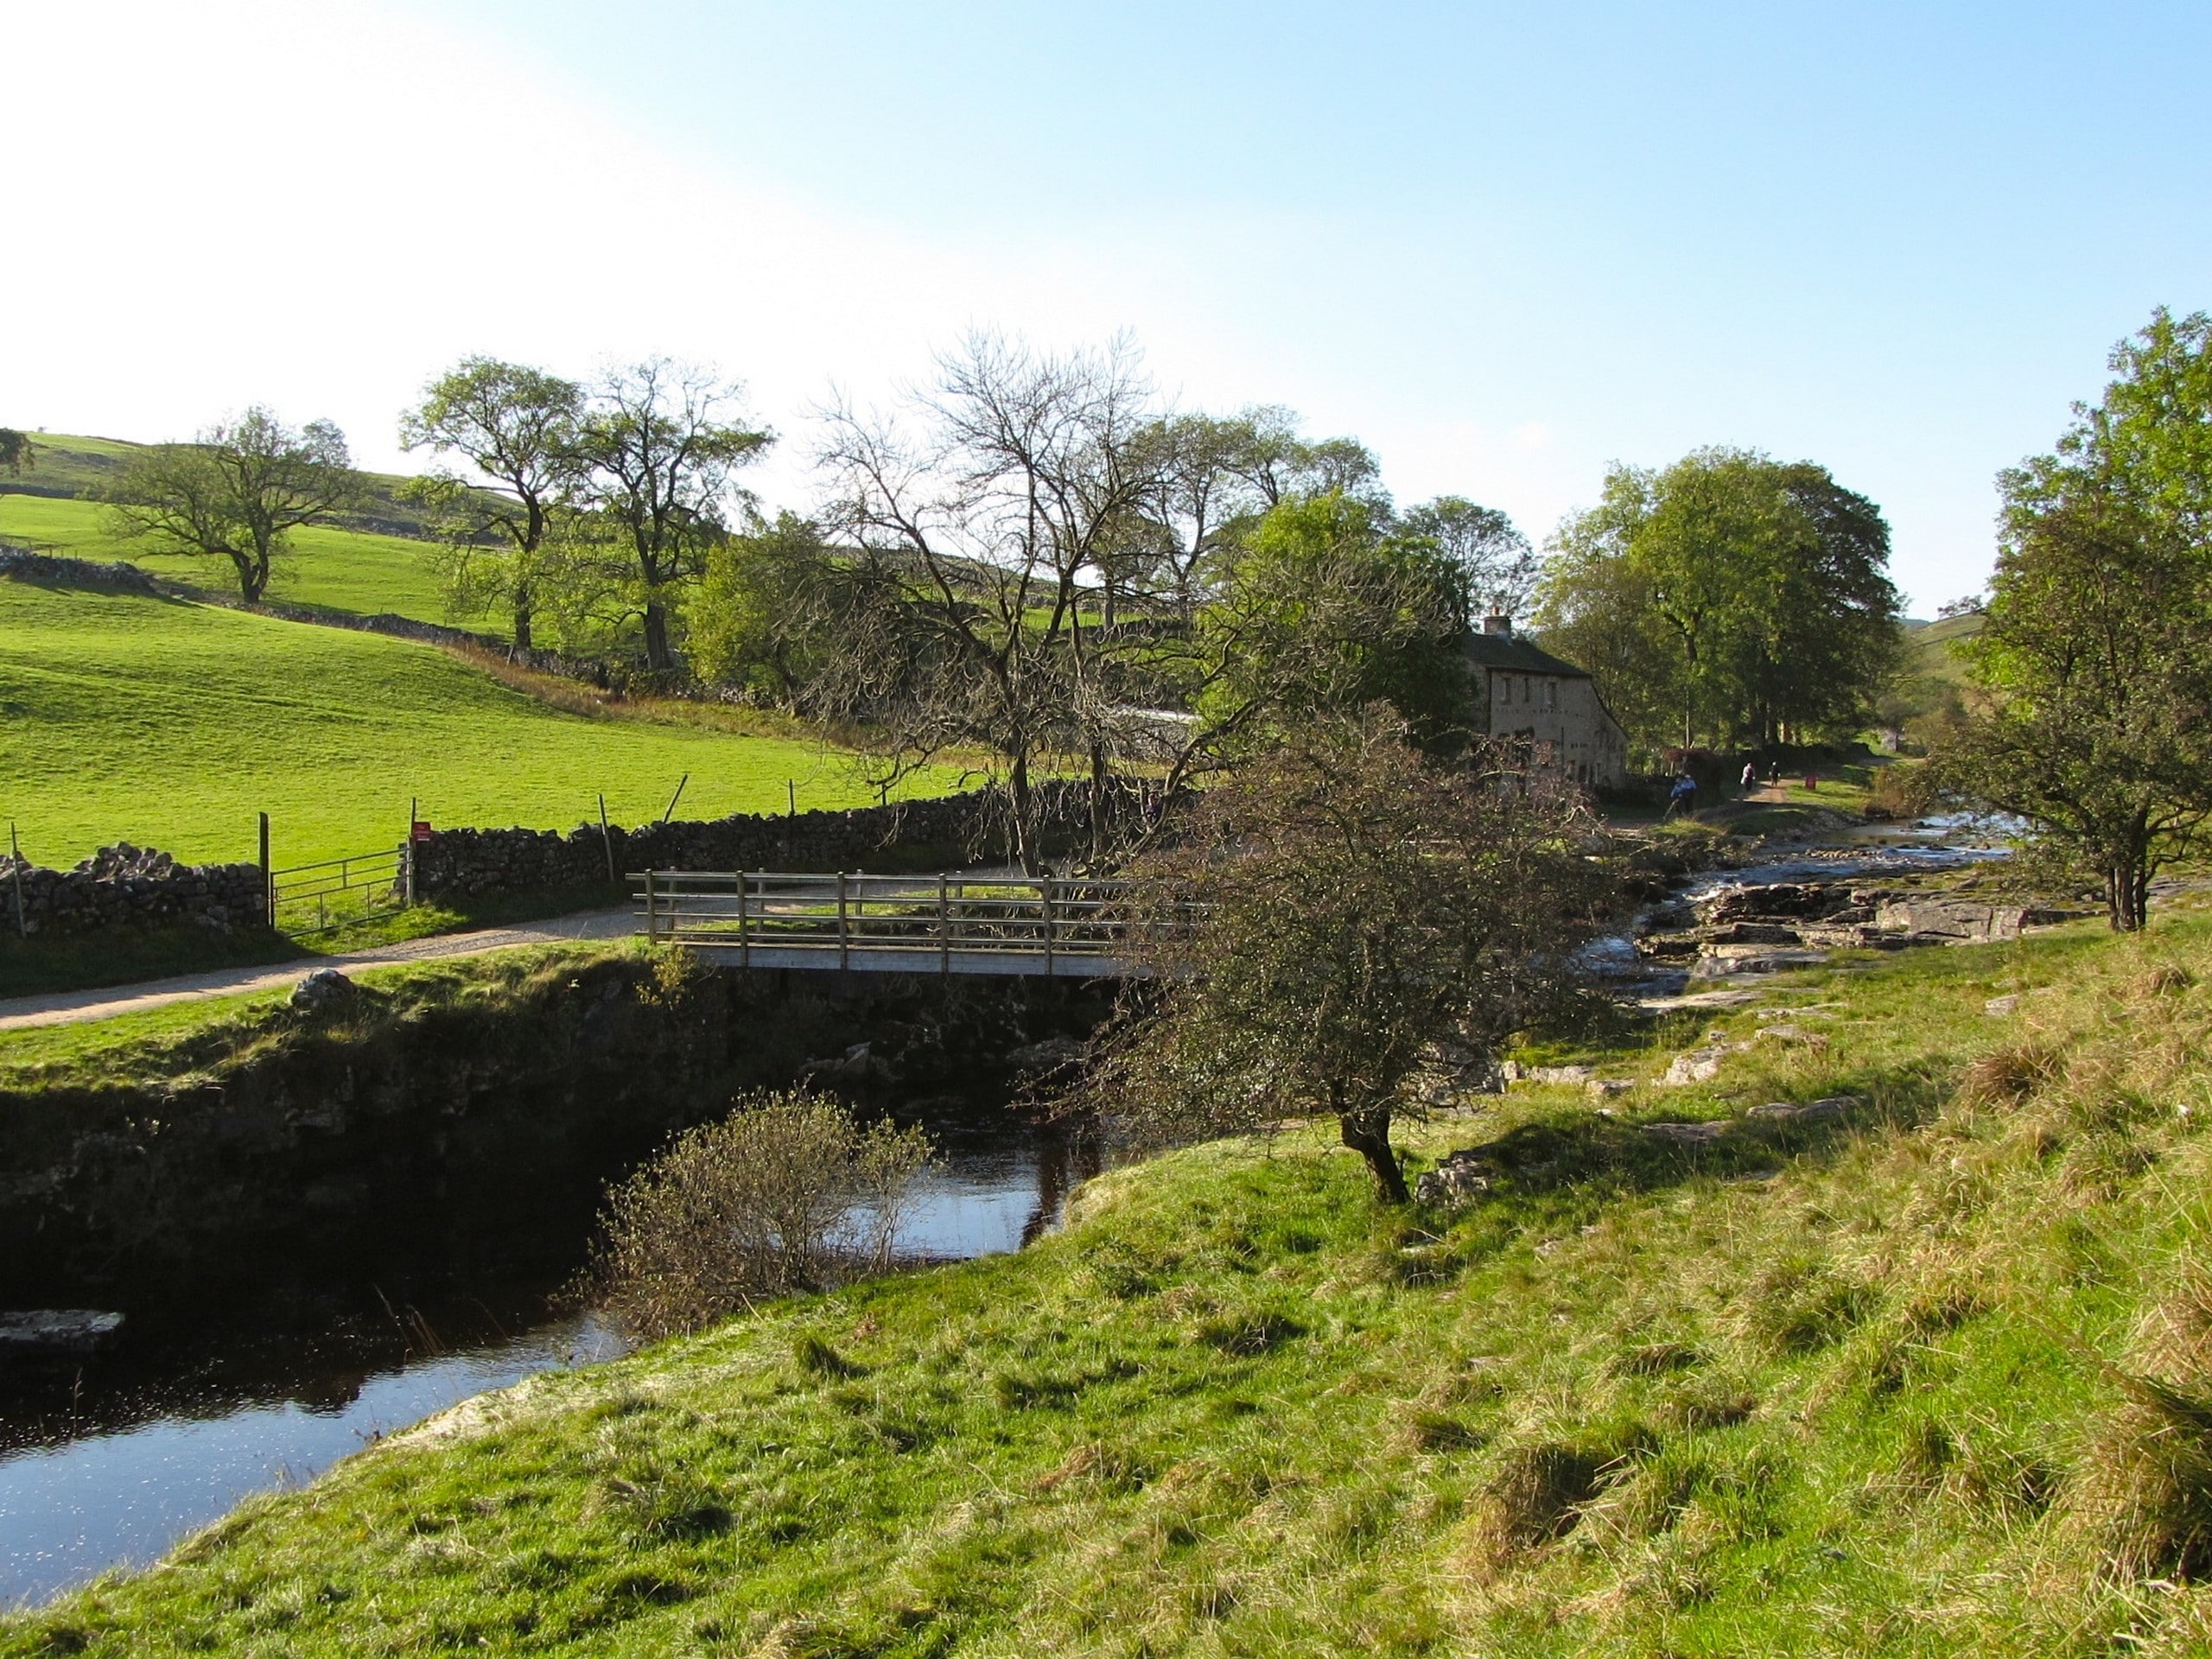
x=171, y=724
x=1925, y=1379
x=340, y=570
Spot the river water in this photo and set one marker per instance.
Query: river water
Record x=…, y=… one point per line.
x=111, y=1463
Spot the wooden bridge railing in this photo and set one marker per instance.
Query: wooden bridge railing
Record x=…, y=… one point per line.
x=1062, y=927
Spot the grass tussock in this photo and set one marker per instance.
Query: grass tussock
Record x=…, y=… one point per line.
x=1935, y=1378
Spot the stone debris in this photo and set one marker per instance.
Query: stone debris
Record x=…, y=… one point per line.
x=1604, y=1087
x=1997, y=1007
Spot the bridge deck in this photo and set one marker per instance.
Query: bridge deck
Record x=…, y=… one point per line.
x=1045, y=927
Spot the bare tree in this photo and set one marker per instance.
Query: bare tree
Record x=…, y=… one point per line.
x=518, y=430
x=663, y=442
x=238, y=492
x=981, y=528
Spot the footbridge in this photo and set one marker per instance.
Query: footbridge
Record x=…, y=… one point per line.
x=1042, y=926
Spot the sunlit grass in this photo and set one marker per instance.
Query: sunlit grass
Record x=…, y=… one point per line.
x=1832, y=1387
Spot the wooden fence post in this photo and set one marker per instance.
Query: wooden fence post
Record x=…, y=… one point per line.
x=607, y=836
x=844, y=949
x=652, y=930
x=943, y=928
x=268, y=882
x=414, y=805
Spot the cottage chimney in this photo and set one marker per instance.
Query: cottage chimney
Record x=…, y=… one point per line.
x=1498, y=625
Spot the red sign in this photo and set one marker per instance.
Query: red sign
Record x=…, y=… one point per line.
x=421, y=830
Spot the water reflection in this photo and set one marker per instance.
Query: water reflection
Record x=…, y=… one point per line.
x=110, y=1463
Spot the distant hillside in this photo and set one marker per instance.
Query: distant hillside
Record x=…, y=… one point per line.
x=1929, y=645
x=68, y=467
x=366, y=562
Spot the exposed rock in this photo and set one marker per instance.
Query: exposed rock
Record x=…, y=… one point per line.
x=1997, y=1007
x=858, y=1065
x=55, y=1332
x=1718, y=962
x=1830, y=1108
x=1754, y=933
x=1558, y=1074
x=1461, y=1178
x=1605, y=1088
x=324, y=990
x=1796, y=1034
x=1696, y=1066
x=1951, y=921
x=1689, y=1134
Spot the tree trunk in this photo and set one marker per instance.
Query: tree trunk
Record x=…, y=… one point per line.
x=253, y=576
x=1368, y=1132
x=522, y=622
x=658, y=657
x=1019, y=797
x=1099, y=779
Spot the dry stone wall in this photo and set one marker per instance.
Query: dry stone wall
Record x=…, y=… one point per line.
x=472, y=862
x=124, y=886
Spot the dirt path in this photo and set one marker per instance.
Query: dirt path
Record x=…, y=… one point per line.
x=65, y=1008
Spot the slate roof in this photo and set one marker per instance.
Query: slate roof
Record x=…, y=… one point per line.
x=1516, y=655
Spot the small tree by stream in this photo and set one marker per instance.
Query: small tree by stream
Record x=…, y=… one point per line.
x=1336, y=910
x=788, y=1193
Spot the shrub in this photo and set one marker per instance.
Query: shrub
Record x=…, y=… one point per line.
x=787, y=1193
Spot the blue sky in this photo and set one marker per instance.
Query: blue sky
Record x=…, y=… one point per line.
x=1503, y=245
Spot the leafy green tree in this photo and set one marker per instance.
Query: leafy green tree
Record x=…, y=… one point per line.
x=1321, y=611
x=2093, y=664
x=518, y=430
x=752, y=621
x=1765, y=585
x=1595, y=607
x=18, y=452
x=1496, y=568
x=236, y=493
x=661, y=452
x=1334, y=909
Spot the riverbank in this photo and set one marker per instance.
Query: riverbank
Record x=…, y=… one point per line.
x=1679, y=1377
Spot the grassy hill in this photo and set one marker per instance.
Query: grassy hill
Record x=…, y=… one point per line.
x=371, y=561
x=1929, y=1379
x=171, y=724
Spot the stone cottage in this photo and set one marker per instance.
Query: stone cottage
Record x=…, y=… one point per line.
x=1548, y=704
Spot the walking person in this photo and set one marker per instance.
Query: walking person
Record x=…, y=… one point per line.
x=1750, y=778
x=1683, y=797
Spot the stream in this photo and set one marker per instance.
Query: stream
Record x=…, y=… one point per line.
x=113, y=1462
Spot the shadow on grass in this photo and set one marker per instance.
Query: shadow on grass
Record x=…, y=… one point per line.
x=38, y=966
x=1593, y=1156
